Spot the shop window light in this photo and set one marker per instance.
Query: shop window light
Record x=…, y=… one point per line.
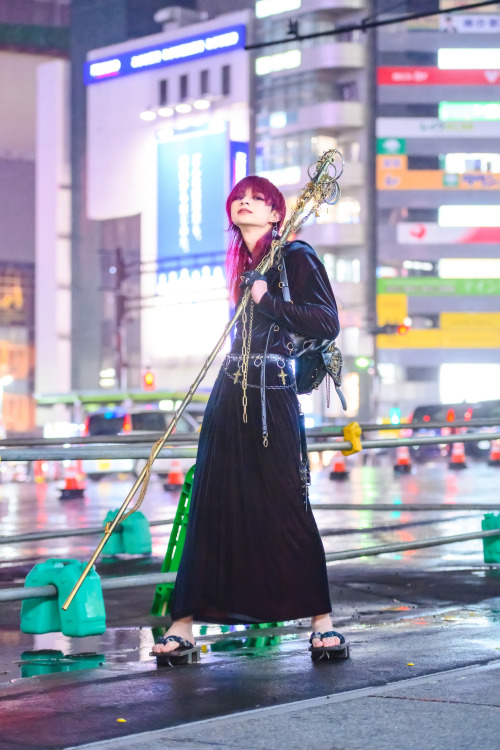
x=264, y=8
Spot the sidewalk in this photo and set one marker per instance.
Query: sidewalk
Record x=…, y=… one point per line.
x=454, y=710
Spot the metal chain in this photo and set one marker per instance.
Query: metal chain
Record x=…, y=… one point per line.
x=246, y=338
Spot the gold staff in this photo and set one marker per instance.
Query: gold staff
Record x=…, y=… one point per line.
x=322, y=188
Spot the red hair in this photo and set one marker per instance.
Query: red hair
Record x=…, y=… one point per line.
x=238, y=259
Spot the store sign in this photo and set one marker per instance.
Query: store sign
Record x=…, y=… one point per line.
x=160, y=56
x=428, y=233
x=391, y=146
x=397, y=178
x=431, y=127
x=470, y=24
x=424, y=286
x=469, y=110
x=436, y=77
x=192, y=187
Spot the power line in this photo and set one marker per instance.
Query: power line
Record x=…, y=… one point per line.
x=366, y=24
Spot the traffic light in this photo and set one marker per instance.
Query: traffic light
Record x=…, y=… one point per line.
x=148, y=381
x=363, y=362
x=395, y=415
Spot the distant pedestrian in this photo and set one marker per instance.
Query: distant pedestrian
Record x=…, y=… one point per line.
x=253, y=552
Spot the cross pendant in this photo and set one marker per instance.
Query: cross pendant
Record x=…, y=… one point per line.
x=236, y=376
x=282, y=375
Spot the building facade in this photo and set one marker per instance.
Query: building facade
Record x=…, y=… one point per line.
x=32, y=34
x=438, y=181
x=310, y=97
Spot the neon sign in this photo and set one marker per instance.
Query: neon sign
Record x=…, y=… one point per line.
x=191, y=48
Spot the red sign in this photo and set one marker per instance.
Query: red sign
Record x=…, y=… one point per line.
x=434, y=76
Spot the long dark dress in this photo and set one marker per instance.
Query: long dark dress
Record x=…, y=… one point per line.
x=252, y=551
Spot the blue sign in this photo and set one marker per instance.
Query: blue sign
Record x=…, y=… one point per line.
x=238, y=162
x=160, y=56
x=192, y=191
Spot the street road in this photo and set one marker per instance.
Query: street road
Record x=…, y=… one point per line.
x=407, y=615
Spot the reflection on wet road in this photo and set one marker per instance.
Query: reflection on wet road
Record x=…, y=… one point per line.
x=420, y=587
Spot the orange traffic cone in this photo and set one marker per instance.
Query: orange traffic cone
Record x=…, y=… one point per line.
x=403, y=460
x=39, y=471
x=457, y=457
x=338, y=471
x=494, y=459
x=74, y=483
x=175, y=478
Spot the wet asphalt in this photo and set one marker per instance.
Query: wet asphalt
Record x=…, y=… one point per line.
x=406, y=615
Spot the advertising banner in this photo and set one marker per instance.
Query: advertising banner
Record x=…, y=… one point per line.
x=398, y=178
x=192, y=191
x=432, y=127
x=408, y=233
x=405, y=76
x=470, y=24
x=385, y=162
x=425, y=286
x=391, y=146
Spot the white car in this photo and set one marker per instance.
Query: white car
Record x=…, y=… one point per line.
x=117, y=421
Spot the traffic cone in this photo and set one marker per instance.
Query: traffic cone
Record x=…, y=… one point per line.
x=338, y=472
x=403, y=460
x=38, y=471
x=494, y=459
x=74, y=483
x=175, y=477
x=457, y=457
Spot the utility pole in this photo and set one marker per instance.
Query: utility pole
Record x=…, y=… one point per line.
x=371, y=203
x=120, y=320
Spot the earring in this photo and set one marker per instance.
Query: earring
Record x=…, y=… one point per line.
x=274, y=233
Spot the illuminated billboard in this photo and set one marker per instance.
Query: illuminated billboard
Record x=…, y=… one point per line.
x=161, y=55
x=192, y=190
x=432, y=76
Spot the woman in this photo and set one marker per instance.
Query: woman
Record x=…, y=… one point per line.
x=252, y=551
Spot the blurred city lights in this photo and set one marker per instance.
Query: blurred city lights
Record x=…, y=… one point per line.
x=201, y=104
x=148, y=115
x=469, y=59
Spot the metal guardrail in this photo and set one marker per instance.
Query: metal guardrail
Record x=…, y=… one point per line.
x=192, y=437
x=151, y=579
x=37, y=536
x=143, y=451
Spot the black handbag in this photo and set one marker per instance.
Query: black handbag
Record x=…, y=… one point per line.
x=314, y=358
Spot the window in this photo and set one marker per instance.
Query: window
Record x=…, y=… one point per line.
x=423, y=162
x=226, y=80
x=163, y=93
x=407, y=110
x=183, y=87
x=204, y=82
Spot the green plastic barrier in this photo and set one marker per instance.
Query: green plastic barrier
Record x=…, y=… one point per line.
x=491, y=545
x=34, y=663
x=131, y=536
x=85, y=615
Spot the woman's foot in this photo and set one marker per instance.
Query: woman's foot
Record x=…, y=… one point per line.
x=183, y=628
x=322, y=624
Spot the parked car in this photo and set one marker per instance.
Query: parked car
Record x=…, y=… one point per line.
x=117, y=421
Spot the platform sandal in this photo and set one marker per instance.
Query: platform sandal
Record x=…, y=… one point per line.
x=186, y=653
x=341, y=651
